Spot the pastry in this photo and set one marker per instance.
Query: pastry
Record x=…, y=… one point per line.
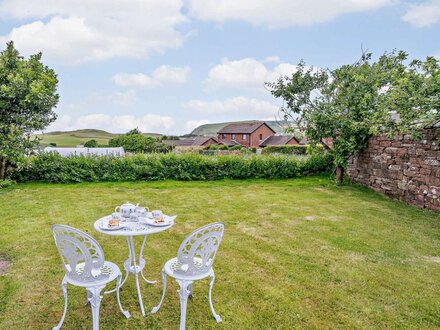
x=113, y=223
x=159, y=220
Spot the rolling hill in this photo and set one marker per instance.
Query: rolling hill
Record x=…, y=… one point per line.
x=77, y=137
x=212, y=129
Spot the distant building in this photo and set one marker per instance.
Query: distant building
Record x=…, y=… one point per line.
x=66, y=152
x=192, y=143
x=249, y=135
x=279, y=140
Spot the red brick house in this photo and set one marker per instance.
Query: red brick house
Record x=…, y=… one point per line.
x=246, y=134
x=279, y=140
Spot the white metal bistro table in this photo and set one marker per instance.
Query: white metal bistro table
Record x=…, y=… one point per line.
x=130, y=230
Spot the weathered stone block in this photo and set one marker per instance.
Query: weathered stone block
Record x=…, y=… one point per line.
x=409, y=172
x=432, y=162
x=385, y=143
x=420, y=151
x=425, y=171
x=402, y=185
x=391, y=150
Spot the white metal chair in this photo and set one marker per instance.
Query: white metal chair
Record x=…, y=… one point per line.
x=85, y=267
x=194, y=262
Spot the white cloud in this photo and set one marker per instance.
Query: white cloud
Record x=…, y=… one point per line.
x=246, y=73
x=63, y=122
x=191, y=124
x=239, y=106
x=118, y=124
x=134, y=79
x=424, y=14
x=169, y=74
x=280, y=13
x=164, y=74
x=272, y=59
x=282, y=69
x=123, y=99
x=83, y=30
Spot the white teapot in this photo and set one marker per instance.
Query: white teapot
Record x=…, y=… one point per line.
x=126, y=209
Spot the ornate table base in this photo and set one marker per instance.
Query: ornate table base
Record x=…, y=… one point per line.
x=134, y=267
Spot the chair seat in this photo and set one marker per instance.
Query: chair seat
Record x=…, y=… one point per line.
x=174, y=264
x=107, y=273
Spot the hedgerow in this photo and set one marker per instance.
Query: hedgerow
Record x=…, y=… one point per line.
x=51, y=167
x=285, y=149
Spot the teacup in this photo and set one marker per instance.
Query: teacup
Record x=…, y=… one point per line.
x=156, y=213
x=116, y=215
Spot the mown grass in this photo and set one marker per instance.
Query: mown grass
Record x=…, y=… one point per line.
x=298, y=253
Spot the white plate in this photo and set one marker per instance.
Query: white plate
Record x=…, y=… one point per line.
x=168, y=221
x=104, y=225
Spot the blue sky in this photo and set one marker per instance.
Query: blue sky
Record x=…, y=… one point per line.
x=167, y=66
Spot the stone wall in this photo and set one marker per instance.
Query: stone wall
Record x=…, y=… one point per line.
x=402, y=168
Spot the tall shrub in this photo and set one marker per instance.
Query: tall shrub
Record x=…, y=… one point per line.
x=286, y=149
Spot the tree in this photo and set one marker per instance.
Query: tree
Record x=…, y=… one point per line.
x=28, y=95
x=134, y=131
x=355, y=101
x=91, y=144
x=170, y=137
x=136, y=142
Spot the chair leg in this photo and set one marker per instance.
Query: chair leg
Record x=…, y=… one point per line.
x=164, y=282
x=118, y=286
x=95, y=302
x=64, y=288
x=190, y=289
x=89, y=297
x=211, y=284
x=184, y=293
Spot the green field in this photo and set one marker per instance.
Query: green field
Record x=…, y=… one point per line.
x=78, y=137
x=299, y=253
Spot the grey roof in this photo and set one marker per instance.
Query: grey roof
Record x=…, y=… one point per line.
x=191, y=142
x=304, y=141
x=277, y=140
x=327, y=142
x=243, y=128
x=230, y=143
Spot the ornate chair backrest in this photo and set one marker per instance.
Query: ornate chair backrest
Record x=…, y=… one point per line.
x=197, y=252
x=81, y=254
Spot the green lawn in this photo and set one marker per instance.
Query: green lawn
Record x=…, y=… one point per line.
x=298, y=253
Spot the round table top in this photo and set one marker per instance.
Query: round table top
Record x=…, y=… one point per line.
x=131, y=228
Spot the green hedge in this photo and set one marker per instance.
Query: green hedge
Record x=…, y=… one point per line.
x=286, y=149
x=54, y=168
